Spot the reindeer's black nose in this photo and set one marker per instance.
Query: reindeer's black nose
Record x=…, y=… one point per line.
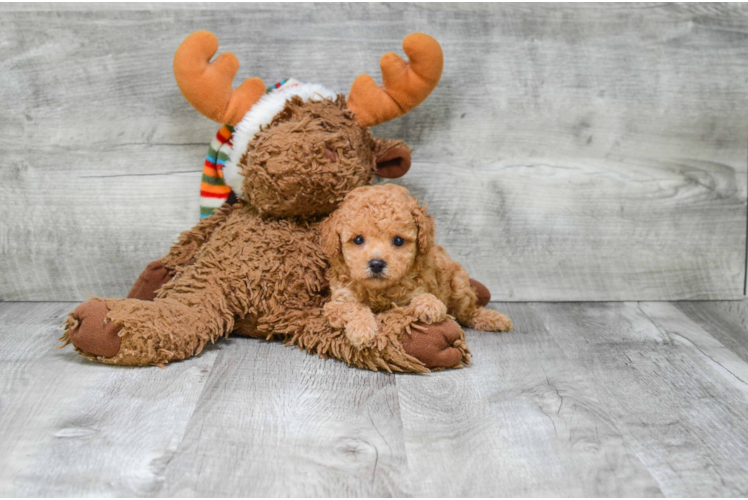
x=377, y=266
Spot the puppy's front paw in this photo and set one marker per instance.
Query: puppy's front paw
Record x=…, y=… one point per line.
x=362, y=330
x=488, y=320
x=429, y=309
x=335, y=313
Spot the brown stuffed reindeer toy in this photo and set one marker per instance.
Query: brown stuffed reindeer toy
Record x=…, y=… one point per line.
x=256, y=267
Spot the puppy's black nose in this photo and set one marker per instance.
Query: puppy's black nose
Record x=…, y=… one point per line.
x=377, y=266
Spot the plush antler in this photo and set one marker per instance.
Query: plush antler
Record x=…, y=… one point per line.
x=404, y=85
x=208, y=86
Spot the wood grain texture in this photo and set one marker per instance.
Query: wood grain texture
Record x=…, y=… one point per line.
x=582, y=399
x=68, y=242
x=727, y=322
x=521, y=421
x=570, y=152
x=707, y=349
x=667, y=385
x=275, y=421
x=72, y=427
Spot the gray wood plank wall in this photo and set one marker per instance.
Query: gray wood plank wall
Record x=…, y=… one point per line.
x=570, y=152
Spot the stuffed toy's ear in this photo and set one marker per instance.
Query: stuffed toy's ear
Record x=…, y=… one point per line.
x=426, y=230
x=393, y=159
x=330, y=236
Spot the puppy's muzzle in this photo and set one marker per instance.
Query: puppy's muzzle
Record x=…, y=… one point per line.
x=377, y=266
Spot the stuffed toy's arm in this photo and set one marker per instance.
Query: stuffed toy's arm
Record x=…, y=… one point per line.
x=182, y=253
x=189, y=242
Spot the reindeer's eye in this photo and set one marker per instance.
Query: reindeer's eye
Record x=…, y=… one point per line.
x=358, y=240
x=398, y=241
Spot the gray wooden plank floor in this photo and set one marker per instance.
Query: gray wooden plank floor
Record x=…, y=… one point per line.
x=583, y=399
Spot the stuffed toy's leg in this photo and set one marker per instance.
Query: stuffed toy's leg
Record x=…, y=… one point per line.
x=403, y=344
x=182, y=253
x=192, y=311
x=441, y=345
x=138, y=332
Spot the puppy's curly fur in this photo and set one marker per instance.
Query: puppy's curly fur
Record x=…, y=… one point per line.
x=382, y=254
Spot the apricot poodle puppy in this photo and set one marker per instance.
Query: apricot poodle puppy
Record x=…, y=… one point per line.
x=380, y=243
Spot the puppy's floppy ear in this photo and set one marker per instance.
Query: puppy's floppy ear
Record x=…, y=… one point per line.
x=396, y=189
x=392, y=158
x=426, y=230
x=330, y=236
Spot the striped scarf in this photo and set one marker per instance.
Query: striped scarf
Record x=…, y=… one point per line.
x=213, y=190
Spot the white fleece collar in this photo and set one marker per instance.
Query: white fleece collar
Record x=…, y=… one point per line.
x=262, y=113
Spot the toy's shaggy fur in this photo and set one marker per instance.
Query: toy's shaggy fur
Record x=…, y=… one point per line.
x=412, y=273
x=257, y=267
x=262, y=113
x=307, y=159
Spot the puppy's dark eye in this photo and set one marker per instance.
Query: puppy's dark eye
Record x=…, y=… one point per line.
x=398, y=241
x=358, y=240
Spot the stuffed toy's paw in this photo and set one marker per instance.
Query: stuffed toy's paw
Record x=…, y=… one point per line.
x=488, y=320
x=153, y=277
x=484, y=296
x=440, y=345
x=361, y=330
x=87, y=330
x=429, y=309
